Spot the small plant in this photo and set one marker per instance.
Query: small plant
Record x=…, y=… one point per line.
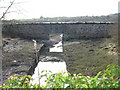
x=109, y=78
x=17, y=82
x=104, y=79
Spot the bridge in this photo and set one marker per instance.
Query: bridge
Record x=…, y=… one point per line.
x=71, y=30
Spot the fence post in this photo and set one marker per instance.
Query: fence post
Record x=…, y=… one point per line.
x=1, y=79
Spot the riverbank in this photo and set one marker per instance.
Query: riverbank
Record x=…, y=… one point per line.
x=82, y=56
x=90, y=56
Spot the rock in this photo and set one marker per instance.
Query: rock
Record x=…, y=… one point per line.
x=51, y=58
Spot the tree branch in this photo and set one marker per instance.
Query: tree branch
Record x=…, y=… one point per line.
x=7, y=10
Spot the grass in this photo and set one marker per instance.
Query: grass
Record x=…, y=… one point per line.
x=89, y=56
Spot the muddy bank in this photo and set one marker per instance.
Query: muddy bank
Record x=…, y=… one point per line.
x=82, y=56
x=18, y=56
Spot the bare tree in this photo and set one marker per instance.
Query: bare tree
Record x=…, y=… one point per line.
x=4, y=13
x=7, y=9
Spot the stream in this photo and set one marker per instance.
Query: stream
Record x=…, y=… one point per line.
x=51, y=61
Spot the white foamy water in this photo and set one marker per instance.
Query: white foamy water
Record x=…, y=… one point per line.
x=54, y=67
x=57, y=47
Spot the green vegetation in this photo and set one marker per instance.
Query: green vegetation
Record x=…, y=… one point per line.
x=90, y=56
x=109, y=78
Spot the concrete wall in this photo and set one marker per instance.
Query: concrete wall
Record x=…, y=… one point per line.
x=70, y=30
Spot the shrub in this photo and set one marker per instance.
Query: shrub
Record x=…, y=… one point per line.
x=108, y=78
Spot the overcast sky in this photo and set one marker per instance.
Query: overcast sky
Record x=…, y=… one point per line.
x=27, y=9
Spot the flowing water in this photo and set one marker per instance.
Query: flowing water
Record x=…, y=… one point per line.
x=57, y=47
x=53, y=67
x=50, y=63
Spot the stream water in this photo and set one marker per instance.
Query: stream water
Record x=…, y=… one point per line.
x=57, y=47
x=51, y=64
x=50, y=68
